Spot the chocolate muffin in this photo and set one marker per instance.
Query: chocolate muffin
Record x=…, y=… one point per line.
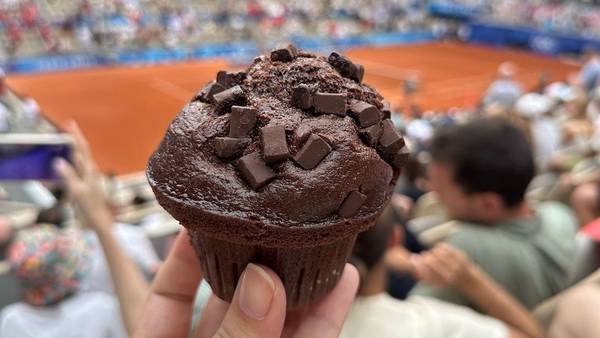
x=283, y=165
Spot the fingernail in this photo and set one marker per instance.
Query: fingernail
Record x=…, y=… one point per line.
x=256, y=294
x=58, y=163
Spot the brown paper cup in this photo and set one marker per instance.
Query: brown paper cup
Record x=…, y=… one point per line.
x=308, y=273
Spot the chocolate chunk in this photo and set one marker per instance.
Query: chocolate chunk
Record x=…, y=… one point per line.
x=255, y=171
x=366, y=114
x=359, y=73
x=330, y=103
x=229, y=147
x=227, y=98
x=284, y=52
x=390, y=141
x=371, y=134
x=342, y=64
x=302, y=97
x=313, y=152
x=351, y=204
x=207, y=93
x=241, y=121
x=229, y=79
x=399, y=159
x=274, y=143
x=386, y=110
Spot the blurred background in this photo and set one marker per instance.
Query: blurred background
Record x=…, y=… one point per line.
x=122, y=69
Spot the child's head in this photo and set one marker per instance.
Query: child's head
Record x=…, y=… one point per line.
x=49, y=263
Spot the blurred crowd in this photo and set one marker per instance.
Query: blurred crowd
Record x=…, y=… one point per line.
x=40, y=27
x=106, y=25
x=567, y=17
x=493, y=231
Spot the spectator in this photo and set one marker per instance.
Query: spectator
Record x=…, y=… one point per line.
x=29, y=14
x=15, y=37
x=505, y=90
x=480, y=172
x=586, y=202
x=375, y=313
x=588, y=75
x=544, y=129
x=50, y=265
x=572, y=313
x=576, y=315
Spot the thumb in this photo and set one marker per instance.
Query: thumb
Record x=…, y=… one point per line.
x=258, y=307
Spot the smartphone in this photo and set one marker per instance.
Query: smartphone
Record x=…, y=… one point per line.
x=30, y=156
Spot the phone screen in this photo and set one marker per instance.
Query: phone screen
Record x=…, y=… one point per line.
x=32, y=158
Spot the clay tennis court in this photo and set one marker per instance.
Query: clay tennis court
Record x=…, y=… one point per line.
x=125, y=110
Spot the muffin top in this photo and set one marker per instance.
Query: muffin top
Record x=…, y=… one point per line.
x=295, y=141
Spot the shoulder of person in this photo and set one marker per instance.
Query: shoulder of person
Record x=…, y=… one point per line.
x=456, y=318
x=96, y=300
x=473, y=239
x=557, y=213
x=14, y=318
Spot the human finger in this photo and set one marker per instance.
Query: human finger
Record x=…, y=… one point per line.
x=258, y=307
x=169, y=307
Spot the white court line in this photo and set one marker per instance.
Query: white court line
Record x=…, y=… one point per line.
x=171, y=89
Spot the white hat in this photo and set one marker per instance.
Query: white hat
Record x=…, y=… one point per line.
x=533, y=105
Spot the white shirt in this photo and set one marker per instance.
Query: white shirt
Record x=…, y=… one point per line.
x=546, y=139
x=382, y=316
x=136, y=245
x=85, y=315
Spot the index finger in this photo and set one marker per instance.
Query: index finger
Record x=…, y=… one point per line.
x=79, y=141
x=168, y=310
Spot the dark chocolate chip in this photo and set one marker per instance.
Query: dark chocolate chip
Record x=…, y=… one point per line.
x=255, y=171
x=359, y=73
x=399, y=159
x=302, y=97
x=330, y=103
x=386, y=110
x=284, y=52
x=313, y=152
x=241, y=121
x=229, y=79
x=351, y=204
x=342, y=64
x=229, y=147
x=371, y=134
x=230, y=97
x=207, y=93
x=366, y=114
x=390, y=141
x=274, y=143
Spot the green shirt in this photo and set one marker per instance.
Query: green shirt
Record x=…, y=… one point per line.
x=529, y=257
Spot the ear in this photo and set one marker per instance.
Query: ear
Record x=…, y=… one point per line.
x=396, y=236
x=489, y=202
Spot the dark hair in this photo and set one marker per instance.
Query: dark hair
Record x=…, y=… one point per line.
x=371, y=245
x=486, y=155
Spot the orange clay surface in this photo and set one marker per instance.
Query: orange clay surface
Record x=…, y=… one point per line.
x=124, y=111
